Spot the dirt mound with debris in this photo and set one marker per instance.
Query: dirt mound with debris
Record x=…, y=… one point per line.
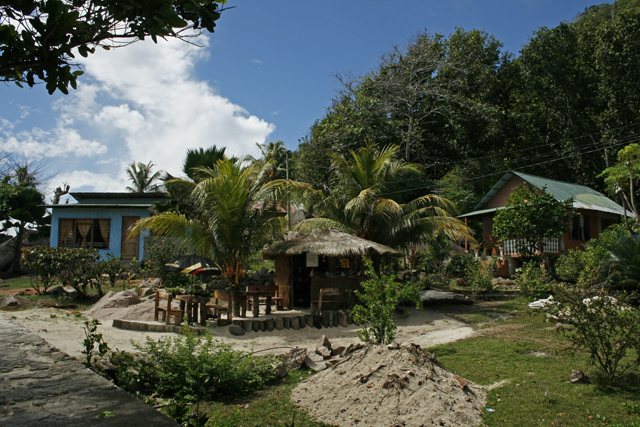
x=125, y=305
x=391, y=386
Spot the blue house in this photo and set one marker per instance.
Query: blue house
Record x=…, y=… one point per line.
x=103, y=221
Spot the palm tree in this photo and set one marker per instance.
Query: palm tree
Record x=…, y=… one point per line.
x=365, y=202
x=277, y=154
x=202, y=158
x=233, y=214
x=142, y=178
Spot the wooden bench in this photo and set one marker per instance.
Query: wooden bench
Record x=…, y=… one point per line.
x=166, y=309
x=341, y=297
x=263, y=300
x=219, y=309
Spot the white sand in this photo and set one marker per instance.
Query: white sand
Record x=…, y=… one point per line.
x=65, y=332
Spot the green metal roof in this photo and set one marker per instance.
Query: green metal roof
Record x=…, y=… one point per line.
x=583, y=196
x=480, y=212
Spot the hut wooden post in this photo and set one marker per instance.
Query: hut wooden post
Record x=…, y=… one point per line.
x=283, y=280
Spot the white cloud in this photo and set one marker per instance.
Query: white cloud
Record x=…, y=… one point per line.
x=61, y=141
x=138, y=103
x=257, y=61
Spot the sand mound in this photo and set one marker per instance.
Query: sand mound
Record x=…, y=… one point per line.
x=399, y=386
x=124, y=305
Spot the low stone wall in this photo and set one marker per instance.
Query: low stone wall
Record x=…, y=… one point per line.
x=327, y=319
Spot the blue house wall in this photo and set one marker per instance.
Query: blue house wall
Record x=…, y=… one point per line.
x=111, y=206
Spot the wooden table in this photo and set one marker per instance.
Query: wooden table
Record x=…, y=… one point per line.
x=255, y=302
x=192, y=305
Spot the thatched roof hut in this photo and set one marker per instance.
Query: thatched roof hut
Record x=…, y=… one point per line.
x=299, y=277
x=329, y=243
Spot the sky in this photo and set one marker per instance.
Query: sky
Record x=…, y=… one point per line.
x=266, y=74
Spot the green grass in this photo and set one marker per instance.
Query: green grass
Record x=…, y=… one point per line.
x=528, y=354
x=267, y=407
x=18, y=282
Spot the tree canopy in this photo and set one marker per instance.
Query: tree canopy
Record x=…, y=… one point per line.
x=40, y=38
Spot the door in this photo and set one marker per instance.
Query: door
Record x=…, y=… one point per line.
x=130, y=246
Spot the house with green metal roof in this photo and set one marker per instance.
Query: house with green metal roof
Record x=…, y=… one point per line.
x=595, y=213
x=102, y=221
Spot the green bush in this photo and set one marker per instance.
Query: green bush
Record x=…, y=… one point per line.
x=437, y=250
x=74, y=267
x=168, y=364
x=380, y=296
x=599, y=324
x=479, y=276
x=460, y=265
x=112, y=268
x=533, y=280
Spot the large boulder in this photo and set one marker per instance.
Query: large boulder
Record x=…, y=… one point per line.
x=14, y=301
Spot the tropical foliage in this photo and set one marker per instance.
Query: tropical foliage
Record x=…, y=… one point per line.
x=233, y=213
x=366, y=201
x=142, y=178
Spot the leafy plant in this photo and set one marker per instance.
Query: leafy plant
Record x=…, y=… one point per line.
x=533, y=280
x=171, y=364
x=91, y=340
x=600, y=325
x=44, y=264
x=112, y=268
x=380, y=297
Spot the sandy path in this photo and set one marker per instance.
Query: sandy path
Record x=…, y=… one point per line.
x=65, y=332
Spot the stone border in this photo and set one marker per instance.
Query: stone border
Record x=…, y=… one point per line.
x=328, y=319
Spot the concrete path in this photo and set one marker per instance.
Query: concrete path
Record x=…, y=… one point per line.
x=40, y=385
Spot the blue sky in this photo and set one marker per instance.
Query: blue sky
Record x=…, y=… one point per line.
x=266, y=74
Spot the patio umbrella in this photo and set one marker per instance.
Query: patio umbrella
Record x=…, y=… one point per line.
x=193, y=264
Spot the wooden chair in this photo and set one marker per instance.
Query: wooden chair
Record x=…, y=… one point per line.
x=218, y=309
x=166, y=309
x=331, y=296
x=263, y=300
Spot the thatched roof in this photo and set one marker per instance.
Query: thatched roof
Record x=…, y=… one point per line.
x=329, y=243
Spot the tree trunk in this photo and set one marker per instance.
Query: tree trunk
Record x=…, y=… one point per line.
x=17, y=249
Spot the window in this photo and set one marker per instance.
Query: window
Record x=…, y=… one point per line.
x=580, y=228
x=84, y=233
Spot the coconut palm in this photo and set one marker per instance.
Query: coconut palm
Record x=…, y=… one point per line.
x=365, y=202
x=142, y=178
x=233, y=215
x=277, y=154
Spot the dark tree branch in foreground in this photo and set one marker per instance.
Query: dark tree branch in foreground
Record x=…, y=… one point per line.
x=38, y=37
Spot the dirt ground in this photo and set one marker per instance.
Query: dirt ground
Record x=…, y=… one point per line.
x=63, y=329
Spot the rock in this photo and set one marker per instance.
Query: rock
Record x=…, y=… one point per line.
x=270, y=324
x=295, y=358
x=295, y=323
x=66, y=291
x=279, y=323
x=287, y=322
x=432, y=296
x=578, y=377
x=144, y=292
x=308, y=320
x=338, y=350
x=302, y=322
x=14, y=301
x=236, y=330
x=263, y=327
x=349, y=317
x=342, y=318
x=263, y=271
x=247, y=325
x=324, y=342
x=255, y=325
x=315, y=362
x=237, y=322
x=324, y=352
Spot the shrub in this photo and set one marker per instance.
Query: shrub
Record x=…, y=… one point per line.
x=69, y=266
x=380, y=297
x=170, y=366
x=600, y=325
x=44, y=264
x=437, y=249
x=460, y=265
x=480, y=276
x=159, y=251
x=112, y=268
x=533, y=280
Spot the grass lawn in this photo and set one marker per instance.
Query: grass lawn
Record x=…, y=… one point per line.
x=516, y=346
